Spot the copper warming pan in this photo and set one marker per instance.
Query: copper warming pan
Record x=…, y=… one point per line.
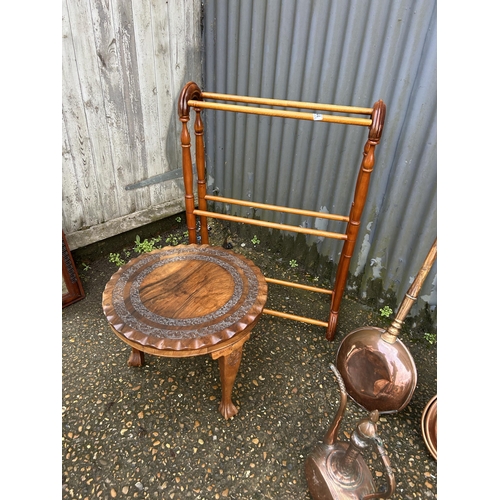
x=377, y=368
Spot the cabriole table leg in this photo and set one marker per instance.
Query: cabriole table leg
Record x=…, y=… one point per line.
x=228, y=367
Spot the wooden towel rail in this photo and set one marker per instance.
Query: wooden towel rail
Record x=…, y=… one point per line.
x=192, y=97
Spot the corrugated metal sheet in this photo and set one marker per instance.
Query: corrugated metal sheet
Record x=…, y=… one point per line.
x=343, y=52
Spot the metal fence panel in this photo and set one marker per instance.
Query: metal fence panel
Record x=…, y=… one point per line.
x=344, y=52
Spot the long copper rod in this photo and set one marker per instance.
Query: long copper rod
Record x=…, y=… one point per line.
x=288, y=104
x=298, y=115
x=391, y=334
x=272, y=225
x=303, y=319
x=277, y=208
x=298, y=285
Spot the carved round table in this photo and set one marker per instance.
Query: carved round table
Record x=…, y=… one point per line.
x=187, y=300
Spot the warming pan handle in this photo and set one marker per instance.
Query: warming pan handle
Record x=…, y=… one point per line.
x=391, y=334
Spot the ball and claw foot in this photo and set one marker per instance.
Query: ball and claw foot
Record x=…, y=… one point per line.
x=136, y=358
x=227, y=410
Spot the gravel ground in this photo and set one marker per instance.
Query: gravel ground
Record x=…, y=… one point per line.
x=155, y=432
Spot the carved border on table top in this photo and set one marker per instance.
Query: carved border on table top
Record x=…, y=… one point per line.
x=126, y=321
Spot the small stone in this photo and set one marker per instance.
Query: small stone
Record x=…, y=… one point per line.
x=139, y=486
x=113, y=493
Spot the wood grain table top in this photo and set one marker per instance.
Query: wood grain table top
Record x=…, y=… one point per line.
x=184, y=297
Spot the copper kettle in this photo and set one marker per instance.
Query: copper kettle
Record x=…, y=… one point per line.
x=337, y=470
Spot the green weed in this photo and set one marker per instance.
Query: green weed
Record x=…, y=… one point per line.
x=172, y=240
x=386, y=311
x=146, y=245
x=116, y=259
x=430, y=337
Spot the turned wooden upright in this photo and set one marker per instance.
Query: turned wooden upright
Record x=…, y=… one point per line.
x=193, y=98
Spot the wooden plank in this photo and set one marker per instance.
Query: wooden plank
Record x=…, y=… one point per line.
x=72, y=213
x=174, y=31
x=127, y=55
x=100, y=232
x=155, y=162
x=168, y=64
x=83, y=181
x=167, y=119
x=95, y=115
x=110, y=74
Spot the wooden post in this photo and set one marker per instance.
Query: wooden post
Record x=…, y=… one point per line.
x=190, y=91
x=200, y=168
x=358, y=204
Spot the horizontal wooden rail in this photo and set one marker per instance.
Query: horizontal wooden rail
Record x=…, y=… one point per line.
x=298, y=285
x=288, y=104
x=298, y=115
x=303, y=319
x=277, y=208
x=271, y=225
